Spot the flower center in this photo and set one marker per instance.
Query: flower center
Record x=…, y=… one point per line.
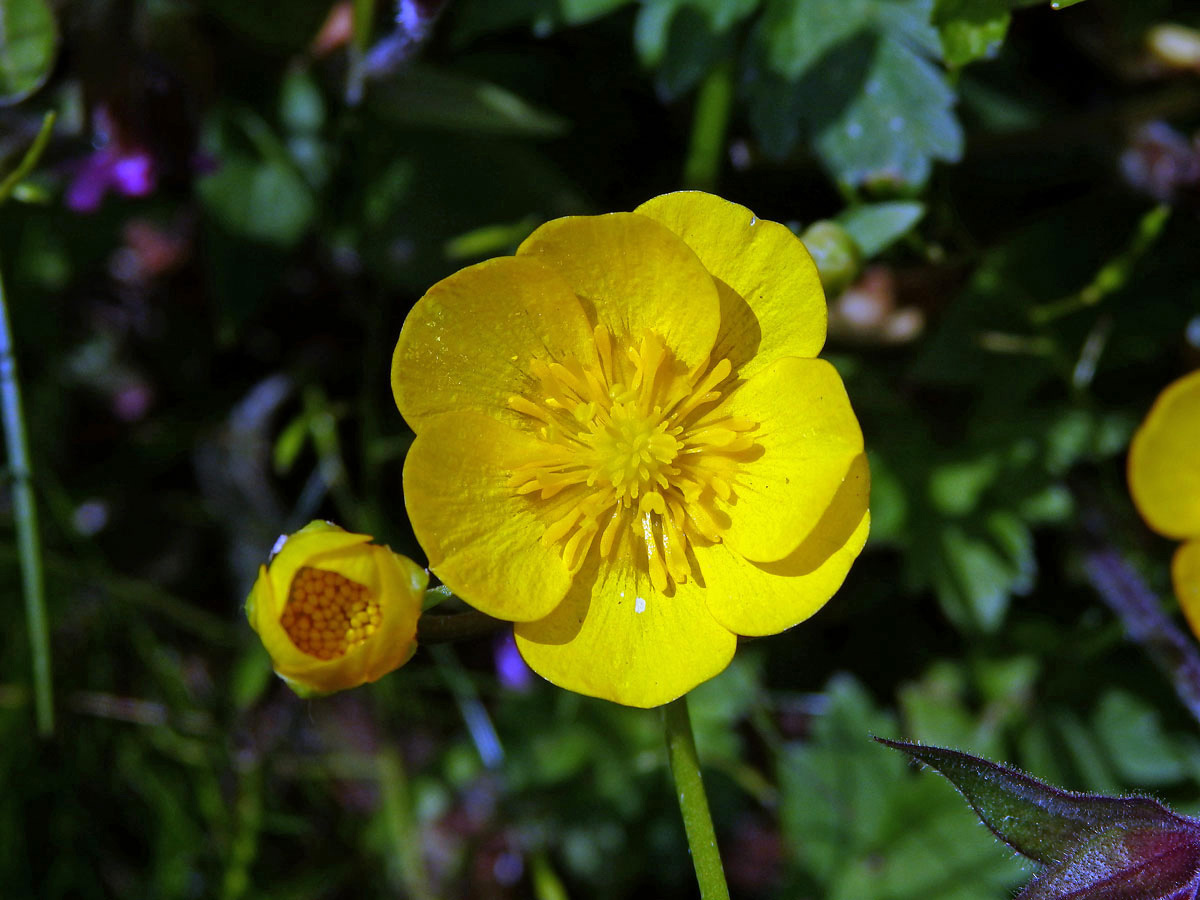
x=327, y=614
x=633, y=453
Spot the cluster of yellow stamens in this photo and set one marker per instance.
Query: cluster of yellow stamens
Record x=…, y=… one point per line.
x=327, y=614
x=634, y=447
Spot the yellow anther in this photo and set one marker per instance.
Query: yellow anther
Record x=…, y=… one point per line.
x=327, y=614
x=632, y=430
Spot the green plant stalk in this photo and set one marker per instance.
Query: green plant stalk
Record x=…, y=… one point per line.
x=693, y=802
x=1114, y=274
x=248, y=815
x=407, y=866
x=25, y=516
x=444, y=629
x=30, y=159
x=703, y=163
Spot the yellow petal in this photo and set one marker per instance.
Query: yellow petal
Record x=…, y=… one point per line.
x=636, y=276
x=1185, y=573
x=755, y=599
x=776, y=307
x=806, y=439
x=483, y=540
x=298, y=549
x=1164, y=461
x=616, y=637
x=396, y=640
x=468, y=342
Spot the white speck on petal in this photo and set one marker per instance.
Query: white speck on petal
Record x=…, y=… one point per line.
x=279, y=542
x=639, y=605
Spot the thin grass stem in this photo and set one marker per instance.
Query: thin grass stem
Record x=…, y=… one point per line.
x=25, y=516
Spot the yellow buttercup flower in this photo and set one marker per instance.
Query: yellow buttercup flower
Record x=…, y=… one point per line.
x=334, y=610
x=1164, y=480
x=625, y=446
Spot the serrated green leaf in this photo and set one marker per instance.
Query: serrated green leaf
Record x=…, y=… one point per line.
x=264, y=201
x=693, y=49
x=489, y=240
x=1132, y=732
x=876, y=226
x=424, y=97
x=301, y=106
x=858, y=78
x=857, y=824
x=889, y=501
x=28, y=40
x=971, y=29
x=578, y=12
x=973, y=579
x=290, y=442
x=652, y=30
x=798, y=33
x=900, y=122
x=955, y=488
x=250, y=677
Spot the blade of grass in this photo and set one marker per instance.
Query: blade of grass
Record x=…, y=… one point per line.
x=709, y=124
x=30, y=159
x=25, y=516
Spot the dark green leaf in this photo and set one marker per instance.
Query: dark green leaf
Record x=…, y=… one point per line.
x=860, y=828
x=876, y=226
x=971, y=29
x=423, y=97
x=897, y=125
x=28, y=39
x=860, y=80
x=653, y=30
x=262, y=201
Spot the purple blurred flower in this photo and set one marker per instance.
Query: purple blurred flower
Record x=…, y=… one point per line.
x=114, y=166
x=1161, y=162
x=513, y=672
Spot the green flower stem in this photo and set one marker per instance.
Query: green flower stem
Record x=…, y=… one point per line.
x=693, y=802
x=248, y=818
x=1114, y=274
x=30, y=159
x=25, y=514
x=406, y=864
x=443, y=629
x=703, y=163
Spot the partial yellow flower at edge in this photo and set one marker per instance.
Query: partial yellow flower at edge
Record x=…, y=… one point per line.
x=625, y=446
x=1164, y=481
x=334, y=610
x=1164, y=461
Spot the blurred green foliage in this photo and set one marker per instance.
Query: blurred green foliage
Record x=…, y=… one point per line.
x=1011, y=263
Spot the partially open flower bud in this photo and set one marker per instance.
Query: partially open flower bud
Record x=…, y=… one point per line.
x=334, y=610
x=835, y=253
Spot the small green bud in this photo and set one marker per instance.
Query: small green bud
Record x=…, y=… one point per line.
x=835, y=253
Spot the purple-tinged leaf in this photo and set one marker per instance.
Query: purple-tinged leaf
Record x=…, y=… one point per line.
x=1037, y=820
x=1093, y=847
x=1118, y=864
